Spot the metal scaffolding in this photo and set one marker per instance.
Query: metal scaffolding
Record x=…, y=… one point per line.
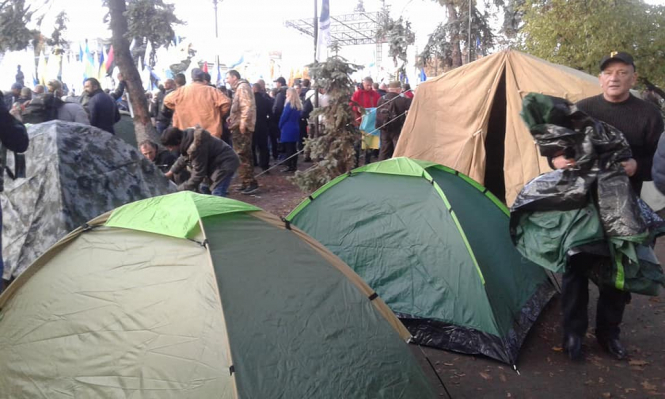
x=346, y=30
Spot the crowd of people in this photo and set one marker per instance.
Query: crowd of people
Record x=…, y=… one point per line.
x=257, y=123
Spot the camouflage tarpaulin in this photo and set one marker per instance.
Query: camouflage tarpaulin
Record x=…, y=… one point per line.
x=74, y=173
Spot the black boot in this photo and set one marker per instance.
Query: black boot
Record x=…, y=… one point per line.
x=613, y=346
x=572, y=345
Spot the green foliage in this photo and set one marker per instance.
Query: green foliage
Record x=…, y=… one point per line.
x=150, y=20
x=579, y=33
x=57, y=40
x=14, y=18
x=445, y=43
x=399, y=36
x=335, y=144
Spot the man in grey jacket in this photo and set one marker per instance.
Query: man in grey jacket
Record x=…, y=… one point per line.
x=67, y=111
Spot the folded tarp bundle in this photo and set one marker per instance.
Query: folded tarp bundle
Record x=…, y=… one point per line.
x=589, y=207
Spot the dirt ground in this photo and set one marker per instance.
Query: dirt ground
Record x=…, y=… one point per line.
x=545, y=371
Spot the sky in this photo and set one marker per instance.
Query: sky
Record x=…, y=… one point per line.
x=257, y=26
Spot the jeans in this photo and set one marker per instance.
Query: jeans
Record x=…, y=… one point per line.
x=222, y=189
x=160, y=127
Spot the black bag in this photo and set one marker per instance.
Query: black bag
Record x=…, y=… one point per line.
x=41, y=109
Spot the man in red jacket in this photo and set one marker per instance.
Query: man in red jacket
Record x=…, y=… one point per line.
x=365, y=98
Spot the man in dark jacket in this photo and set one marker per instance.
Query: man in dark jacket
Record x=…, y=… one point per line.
x=103, y=111
x=390, y=116
x=164, y=114
x=14, y=137
x=642, y=125
x=211, y=160
x=261, y=130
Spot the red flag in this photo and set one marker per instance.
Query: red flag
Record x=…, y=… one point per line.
x=205, y=67
x=110, y=61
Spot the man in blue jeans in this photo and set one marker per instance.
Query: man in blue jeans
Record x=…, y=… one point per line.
x=13, y=137
x=211, y=160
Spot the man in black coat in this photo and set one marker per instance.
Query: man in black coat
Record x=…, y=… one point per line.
x=390, y=116
x=261, y=130
x=13, y=137
x=101, y=107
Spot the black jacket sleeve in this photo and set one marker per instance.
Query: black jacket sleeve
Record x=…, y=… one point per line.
x=658, y=168
x=278, y=106
x=119, y=90
x=12, y=132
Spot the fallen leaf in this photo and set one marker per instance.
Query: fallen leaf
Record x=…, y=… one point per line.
x=448, y=364
x=502, y=378
x=509, y=395
x=629, y=390
x=607, y=395
x=557, y=349
x=485, y=376
x=649, y=387
x=638, y=363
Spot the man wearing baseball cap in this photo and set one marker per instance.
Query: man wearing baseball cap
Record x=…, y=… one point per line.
x=642, y=125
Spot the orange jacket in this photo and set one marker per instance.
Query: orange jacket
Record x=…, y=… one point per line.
x=198, y=104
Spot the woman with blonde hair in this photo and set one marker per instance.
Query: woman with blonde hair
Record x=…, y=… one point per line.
x=289, y=124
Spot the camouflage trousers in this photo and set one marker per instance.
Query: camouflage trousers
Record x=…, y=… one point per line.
x=242, y=144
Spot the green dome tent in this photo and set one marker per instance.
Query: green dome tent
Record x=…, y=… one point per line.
x=192, y=296
x=435, y=245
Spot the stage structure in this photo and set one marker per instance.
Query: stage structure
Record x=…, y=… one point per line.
x=359, y=28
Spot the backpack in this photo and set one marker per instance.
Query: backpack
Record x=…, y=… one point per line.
x=388, y=116
x=40, y=109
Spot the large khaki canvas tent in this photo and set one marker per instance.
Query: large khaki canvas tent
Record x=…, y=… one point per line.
x=468, y=119
x=193, y=296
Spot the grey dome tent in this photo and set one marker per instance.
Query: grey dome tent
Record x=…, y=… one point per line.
x=74, y=173
x=193, y=296
x=435, y=245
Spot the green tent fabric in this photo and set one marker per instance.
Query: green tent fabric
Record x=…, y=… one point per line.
x=227, y=302
x=435, y=245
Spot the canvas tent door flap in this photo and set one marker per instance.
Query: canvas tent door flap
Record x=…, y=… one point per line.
x=469, y=118
x=435, y=245
x=192, y=296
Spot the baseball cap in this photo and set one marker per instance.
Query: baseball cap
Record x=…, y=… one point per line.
x=617, y=56
x=280, y=80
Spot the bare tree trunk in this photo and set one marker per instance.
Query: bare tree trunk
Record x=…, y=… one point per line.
x=123, y=57
x=453, y=20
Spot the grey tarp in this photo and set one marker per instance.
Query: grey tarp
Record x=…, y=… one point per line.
x=74, y=173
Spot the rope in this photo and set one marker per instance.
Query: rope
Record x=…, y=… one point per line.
x=279, y=163
x=299, y=152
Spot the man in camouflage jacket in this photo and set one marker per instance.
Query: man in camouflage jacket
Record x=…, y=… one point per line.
x=242, y=122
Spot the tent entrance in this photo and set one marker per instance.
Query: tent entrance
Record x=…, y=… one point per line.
x=495, y=143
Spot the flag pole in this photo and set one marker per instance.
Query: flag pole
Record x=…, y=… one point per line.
x=468, y=52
